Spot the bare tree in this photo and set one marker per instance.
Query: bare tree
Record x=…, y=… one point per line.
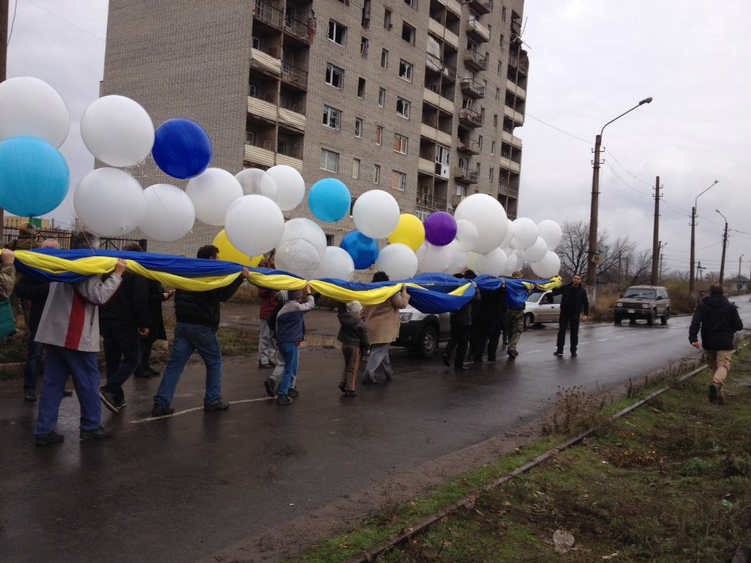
x=574, y=245
x=639, y=269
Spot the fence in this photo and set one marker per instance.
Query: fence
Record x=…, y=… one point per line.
x=63, y=237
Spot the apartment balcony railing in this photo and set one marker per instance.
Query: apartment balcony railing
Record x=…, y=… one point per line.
x=470, y=117
x=478, y=31
x=520, y=63
x=465, y=175
x=474, y=60
x=303, y=31
x=504, y=189
x=431, y=202
x=509, y=164
x=269, y=14
x=441, y=66
x=479, y=6
x=295, y=75
x=472, y=88
x=468, y=145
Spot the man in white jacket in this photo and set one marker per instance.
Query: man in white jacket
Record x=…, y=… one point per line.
x=70, y=328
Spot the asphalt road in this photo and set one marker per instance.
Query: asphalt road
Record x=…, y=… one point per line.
x=185, y=487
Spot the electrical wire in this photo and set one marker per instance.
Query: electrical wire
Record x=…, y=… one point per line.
x=13, y=22
x=559, y=130
x=63, y=19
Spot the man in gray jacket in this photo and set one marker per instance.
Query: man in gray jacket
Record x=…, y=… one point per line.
x=70, y=328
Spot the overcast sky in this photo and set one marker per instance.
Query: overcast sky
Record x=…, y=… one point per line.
x=589, y=62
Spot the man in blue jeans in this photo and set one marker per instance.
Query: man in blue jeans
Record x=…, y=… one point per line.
x=198, y=314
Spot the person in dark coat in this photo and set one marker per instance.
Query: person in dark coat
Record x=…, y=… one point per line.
x=461, y=325
x=574, y=305
x=353, y=334
x=123, y=321
x=488, y=319
x=718, y=320
x=156, y=295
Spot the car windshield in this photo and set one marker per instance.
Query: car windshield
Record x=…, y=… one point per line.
x=638, y=292
x=534, y=298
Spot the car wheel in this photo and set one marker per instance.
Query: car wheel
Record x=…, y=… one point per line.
x=529, y=320
x=617, y=320
x=652, y=317
x=664, y=318
x=428, y=342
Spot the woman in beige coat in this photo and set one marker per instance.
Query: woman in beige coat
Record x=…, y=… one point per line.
x=382, y=321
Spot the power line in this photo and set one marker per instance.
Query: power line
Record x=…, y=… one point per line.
x=63, y=19
x=13, y=22
x=559, y=130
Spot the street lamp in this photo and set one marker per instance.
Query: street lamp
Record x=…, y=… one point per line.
x=691, y=275
x=724, y=245
x=592, y=252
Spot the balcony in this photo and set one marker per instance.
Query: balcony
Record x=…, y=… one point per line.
x=425, y=166
x=479, y=6
x=516, y=90
x=472, y=88
x=520, y=63
x=259, y=156
x=428, y=132
x=468, y=145
x=453, y=6
x=440, y=66
x=299, y=29
x=269, y=14
x=449, y=37
x=470, y=117
x=515, y=115
x=512, y=140
x=505, y=190
x=436, y=100
x=265, y=63
x=464, y=175
x=295, y=76
x=473, y=60
x=477, y=31
x=271, y=113
x=510, y=165
x=430, y=202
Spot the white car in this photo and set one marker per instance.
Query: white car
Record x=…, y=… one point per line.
x=542, y=308
x=421, y=332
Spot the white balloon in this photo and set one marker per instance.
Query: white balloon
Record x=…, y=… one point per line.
x=336, y=263
x=420, y=252
x=536, y=251
x=458, y=258
x=169, y=213
x=436, y=259
x=297, y=256
x=212, y=192
x=551, y=233
x=254, y=224
x=489, y=218
x=109, y=202
x=307, y=230
x=508, y=239
x=376, y=214
x=525, y=232
x=548, y=267
x=466, y=235
x=512, y=263
x=289, y=184
x=491, y=264
x=398, y=261
x=257, y=181
x=117, y=130
x=30, y=107
x=472, y=261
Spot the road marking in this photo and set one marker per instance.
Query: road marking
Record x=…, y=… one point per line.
x=617, y=337
x=194, y=409
x=603, y=339
x=533, y=351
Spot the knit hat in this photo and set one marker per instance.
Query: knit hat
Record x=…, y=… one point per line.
x=354, y=307
x=282, y=296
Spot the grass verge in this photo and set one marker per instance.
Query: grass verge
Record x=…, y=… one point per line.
x=669, y=482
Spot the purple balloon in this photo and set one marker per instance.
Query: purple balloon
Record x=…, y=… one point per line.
x=440, y=228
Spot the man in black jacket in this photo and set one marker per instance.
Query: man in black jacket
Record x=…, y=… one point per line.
x=198, y=314
x=719, y=320
x=574, y=305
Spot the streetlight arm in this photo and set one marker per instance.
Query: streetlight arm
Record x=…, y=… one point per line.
x=697, y=197
x=644, y=101
x=721, y=215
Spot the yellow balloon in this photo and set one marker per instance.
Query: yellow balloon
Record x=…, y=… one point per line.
x=229, y=253
x=409, y=231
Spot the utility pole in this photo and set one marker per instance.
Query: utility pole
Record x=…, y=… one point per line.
x=656, y=235
x=693, y=239
x=661, y=256
x=740, y=261
x=699, y=269
x=3, y=70
x=724, y=247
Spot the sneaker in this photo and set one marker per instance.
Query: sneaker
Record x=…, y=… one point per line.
x=100, y=433
x=713, y=394
x=284, y=400
x=161, y=411
x=446, y=359
x=573, y=353
x=558, y=352
x=29, y=395
x=293, y=392
x=51, y=438
x=342, y=386
x=350, y=394
x=108, y=399
x=512, y=354
x=217, y=405
x=120, y=403
x=270, y=385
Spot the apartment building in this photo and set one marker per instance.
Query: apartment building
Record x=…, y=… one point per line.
x=420, y=98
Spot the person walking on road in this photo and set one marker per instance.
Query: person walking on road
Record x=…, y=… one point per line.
x=198, y=314
x=514, y=319
x=383, y=325
x=462, y=325
x=718, y=320
x=69, y=328
x=353, y=334
x=574, y=305
x=290, y=332
x=266, y=342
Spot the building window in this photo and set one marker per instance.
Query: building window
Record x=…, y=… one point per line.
x=405, y=70
x=495, y=121
x=490, y=31
x=329, y=160
x=361, y=88
x=490, y=173
x=332, y=117
x=334, y=76
x=497, y=94
x=503, y=41
x=499, y=68
x=252, y=90
x=398, y=180
x=281, y=147
x=364, y=44
x=356, y=168
x=379, y=135
x=384, y=58
x=402, y=108
x=337, y=33
x=479, y=142
x=503, y=14
x=411, y=3
x=256, y=42
x=358, y=127
x=492, y=147
x=482, y=115
x=251, y=137
x=408, y=33
x=387, y=19
x=376, y=173
x=400, y=143
x=381, y=97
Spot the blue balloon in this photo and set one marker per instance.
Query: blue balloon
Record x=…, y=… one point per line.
x=363, y=250
x=182, y=148
x=34, y=177
x=329, y=200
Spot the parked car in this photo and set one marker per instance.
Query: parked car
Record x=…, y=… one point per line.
x=648, y=302
x=421, y=332
x=542, y=308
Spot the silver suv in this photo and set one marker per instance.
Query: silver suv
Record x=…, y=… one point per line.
x=648, y=302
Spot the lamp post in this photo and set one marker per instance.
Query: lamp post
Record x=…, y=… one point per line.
x=691, y=274
x=592, y=252
x=740, y=261
x=724, y=246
